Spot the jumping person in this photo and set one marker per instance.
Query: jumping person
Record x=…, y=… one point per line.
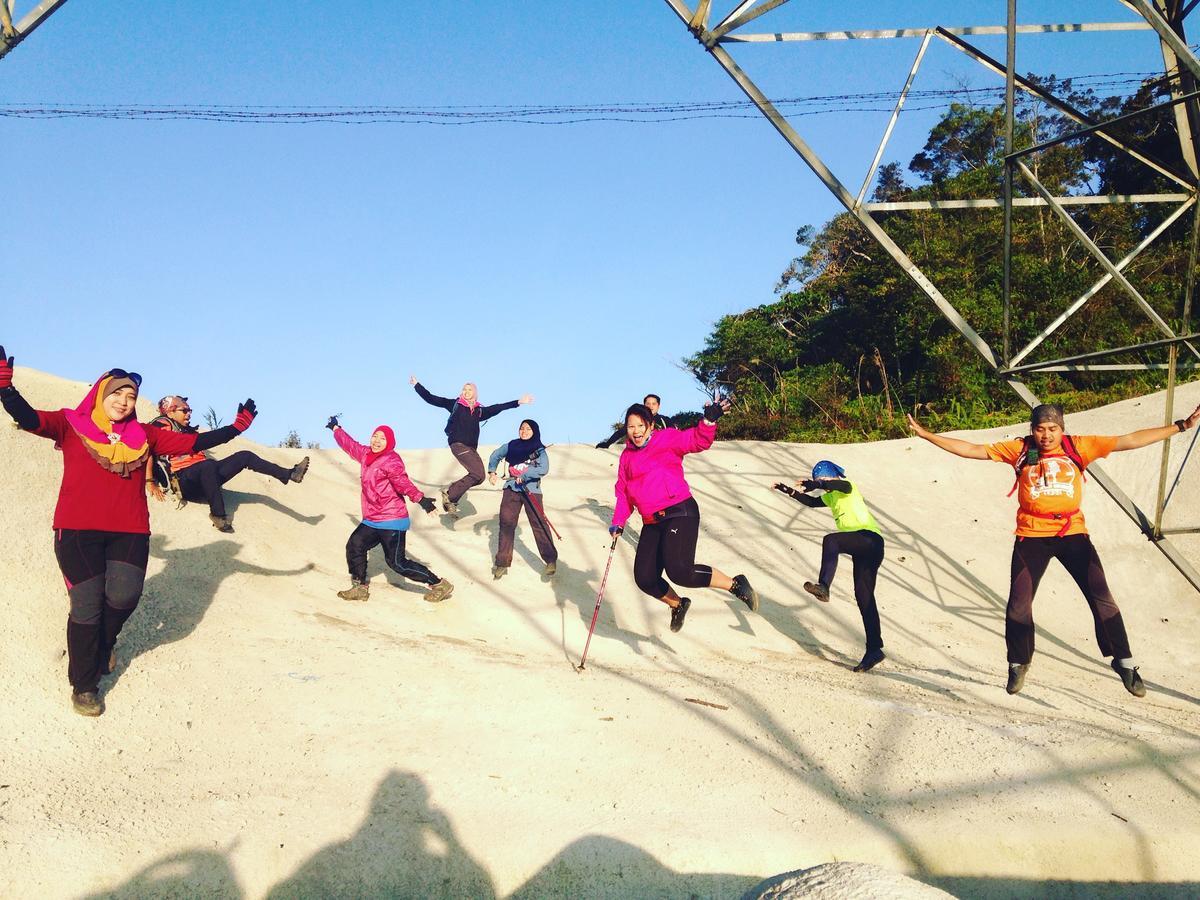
x=197, y=478
x=385, y=521
x=652, y=402
x=102, y=522
x=462, y=434
x=857, y=536
x=1049, y=467
x=650, y=480
x=528, y=463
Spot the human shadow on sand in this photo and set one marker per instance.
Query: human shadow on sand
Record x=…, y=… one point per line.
x=234, y=499
x=405, y=847
x=176, y=599
x=190, y=873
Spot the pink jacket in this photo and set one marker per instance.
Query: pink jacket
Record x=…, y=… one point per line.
x=650, y=478
x=385, y=484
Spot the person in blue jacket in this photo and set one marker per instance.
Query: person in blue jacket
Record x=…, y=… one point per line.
x=528, y=463
x=857, y=536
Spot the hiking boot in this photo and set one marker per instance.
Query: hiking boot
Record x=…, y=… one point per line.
x=1130, y=678
x=499, y=572
x=448, y=505
x=357, y=591
x=87, y=703
x=818, y=590
x=299, y=470
x=1016, y=677
x=870, y=660
x=742, y=590
x=439, y=592
x=679, y=613
x=223, y=524
x=112, y=662
x=548, y=572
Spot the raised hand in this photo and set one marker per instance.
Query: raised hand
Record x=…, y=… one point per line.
x=526, y=399
x=333, y=423
x=916, y=428
x=6, y=366
x=245, y=415
x=716, y=409
x=412, y=379
x=1190, y=422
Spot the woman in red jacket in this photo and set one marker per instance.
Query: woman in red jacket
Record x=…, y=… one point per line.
x=101, y=522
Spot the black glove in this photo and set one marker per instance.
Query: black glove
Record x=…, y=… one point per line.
x=809, y=485
x=425, y=503
x=332, y=423
x=602, y=446
x=713, y=411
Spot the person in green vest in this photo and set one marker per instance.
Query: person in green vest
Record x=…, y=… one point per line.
x=857, y=536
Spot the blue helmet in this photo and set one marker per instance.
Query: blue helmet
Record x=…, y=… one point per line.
x=827, y=469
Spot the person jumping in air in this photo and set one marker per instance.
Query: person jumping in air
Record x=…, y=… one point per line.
x=462, y=433
x=857, y=536
x=385, y=521
x=528, y=463
x=198, y=479
x=652, y=402
x=1049, y=466
x=102, y=521
x=650, y=480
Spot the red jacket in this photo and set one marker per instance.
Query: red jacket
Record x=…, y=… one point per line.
x=385, y=483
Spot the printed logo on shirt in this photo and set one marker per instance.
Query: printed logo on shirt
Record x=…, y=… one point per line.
x=1052, y=478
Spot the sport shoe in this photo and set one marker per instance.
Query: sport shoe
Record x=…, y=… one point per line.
x=548, y=572
x=818, y=590
x=742, y=590
x=448, y=505
x=357, y=591
x=499, y=572
x=679, y=613
x=87, y=704
x=224, y=524
x=1130, y=678
x=870, y=660
x=299, y=470
x=439, y=592
x=1016, y=677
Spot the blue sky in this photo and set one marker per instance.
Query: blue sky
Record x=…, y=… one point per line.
x=315, y=266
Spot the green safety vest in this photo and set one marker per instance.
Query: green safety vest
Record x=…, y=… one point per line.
x=850, y=510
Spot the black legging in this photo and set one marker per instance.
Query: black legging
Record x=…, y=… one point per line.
x=202, y=482
x=364, y=537
x=866, y=549
x=104, y=572
x=670, y=544
x=1030, y=558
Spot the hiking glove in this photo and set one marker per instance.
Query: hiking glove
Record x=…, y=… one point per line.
x=245, y=415
x=6, y=367
x=615, y=530
x=426, y=504
x=332, y=423
x=712, y=412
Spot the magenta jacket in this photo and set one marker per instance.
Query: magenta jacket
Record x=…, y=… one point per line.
x=385, y=484
x=650, y=478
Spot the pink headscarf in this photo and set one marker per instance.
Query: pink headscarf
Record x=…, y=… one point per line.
x=470, y=404
x=119, y=447
x=388, y=447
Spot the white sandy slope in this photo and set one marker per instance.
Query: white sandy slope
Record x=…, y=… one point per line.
x=264, y=738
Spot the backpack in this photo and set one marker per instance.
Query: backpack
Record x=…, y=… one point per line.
x=1030, y=455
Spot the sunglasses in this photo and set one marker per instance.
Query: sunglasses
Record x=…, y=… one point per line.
x=121, y=373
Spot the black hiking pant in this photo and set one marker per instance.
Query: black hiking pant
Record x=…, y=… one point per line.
x=669, y=544
x=202, y=482
x=104, y=572
x=468, y=458
x=364, y=537
x=1030, y=558
x=865, y=548
x=510, y=510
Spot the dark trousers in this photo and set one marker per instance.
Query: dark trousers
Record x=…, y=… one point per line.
x=670, y=546
x=364, y=537
x=1030, y=558
x=202, y=482
x=865, y=548
x=104, y=572
x=468, y=458
x=510, y=510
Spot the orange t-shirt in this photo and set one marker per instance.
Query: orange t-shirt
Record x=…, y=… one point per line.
x=1052, y=486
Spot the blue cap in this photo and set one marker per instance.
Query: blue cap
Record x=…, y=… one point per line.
x=827, y=469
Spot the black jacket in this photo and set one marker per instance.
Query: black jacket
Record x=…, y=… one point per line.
x=463, y=425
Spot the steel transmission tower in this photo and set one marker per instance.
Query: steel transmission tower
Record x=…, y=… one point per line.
x=13, y=30
x=1163, y=21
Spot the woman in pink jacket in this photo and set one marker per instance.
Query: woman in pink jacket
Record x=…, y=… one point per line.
x=650, y=480
x=385, y=521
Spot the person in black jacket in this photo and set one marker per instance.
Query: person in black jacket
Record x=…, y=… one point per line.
x=462, y=434
x=652, y=402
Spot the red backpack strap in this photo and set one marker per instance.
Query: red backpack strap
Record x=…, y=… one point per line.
x=1074, y=455
x=1019, y=465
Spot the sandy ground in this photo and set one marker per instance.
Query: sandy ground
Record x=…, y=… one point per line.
x=264, y=738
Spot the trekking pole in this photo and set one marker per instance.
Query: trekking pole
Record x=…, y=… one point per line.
x=599, y=596
x=542, y=513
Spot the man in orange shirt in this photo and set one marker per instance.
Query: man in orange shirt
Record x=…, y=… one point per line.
x=1049, y=466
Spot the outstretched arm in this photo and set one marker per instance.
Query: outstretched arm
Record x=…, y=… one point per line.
x=1148, y=436
x=957, y=446
x=432, y=399
x=798, y=496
